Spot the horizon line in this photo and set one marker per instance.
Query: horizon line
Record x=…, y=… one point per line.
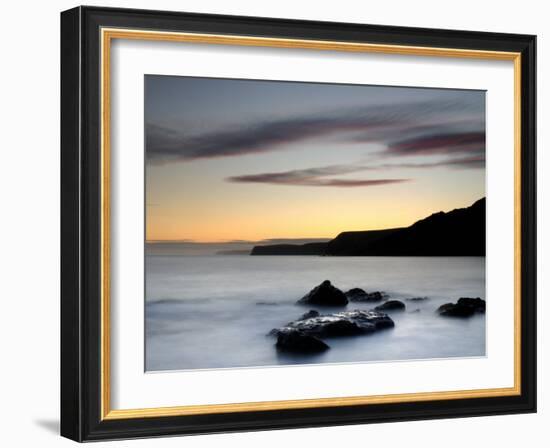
x=183, y=240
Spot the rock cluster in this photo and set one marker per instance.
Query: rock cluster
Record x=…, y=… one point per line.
x=304, y=335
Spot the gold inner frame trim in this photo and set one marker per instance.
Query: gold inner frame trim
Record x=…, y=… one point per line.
x=107, y=35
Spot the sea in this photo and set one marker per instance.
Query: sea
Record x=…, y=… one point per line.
x=214, y=311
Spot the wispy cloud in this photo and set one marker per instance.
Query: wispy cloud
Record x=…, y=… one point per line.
x=249, y=139
x=440, y=143
x=320, y=176
x=374, y=123
x=470, y=161
x=315, y=177
x=286, y=179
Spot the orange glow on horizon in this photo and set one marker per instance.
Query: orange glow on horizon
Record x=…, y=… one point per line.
x=308, y=221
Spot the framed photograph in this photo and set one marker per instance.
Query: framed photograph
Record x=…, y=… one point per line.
x=277, y=224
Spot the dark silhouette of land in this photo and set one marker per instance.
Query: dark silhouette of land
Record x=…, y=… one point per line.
x=290, y=249
x=357, y=243
x=460, y=232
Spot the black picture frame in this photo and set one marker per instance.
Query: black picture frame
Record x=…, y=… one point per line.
x=81, y=415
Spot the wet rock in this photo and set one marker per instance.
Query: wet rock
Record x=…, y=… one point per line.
x=310, y=314
x=464, y=307
x=293, y=340
x=324, y=294
x=348, y=323
x=391, y=305
x=360, y=295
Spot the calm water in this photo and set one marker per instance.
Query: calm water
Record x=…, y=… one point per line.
x=214, y=311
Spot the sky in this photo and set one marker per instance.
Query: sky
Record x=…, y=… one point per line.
x=230, y=160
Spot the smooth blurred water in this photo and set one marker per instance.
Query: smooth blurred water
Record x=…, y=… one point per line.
x=214, y=311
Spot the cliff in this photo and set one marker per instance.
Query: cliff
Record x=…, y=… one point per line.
x=460, y=232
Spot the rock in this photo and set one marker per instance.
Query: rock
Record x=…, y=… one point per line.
x=379, y=320
x=445, y=307
x=348, y=323
x=299, y=342
x=310, y=314
x=465, y=307
x=360, y=295
x=391, y=305
x=324, y=295
x=477, y=303
x=267, y=303
x=275, y=331
x=417, y=299
x=355, y=293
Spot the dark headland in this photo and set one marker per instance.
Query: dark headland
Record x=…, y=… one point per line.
x=460, y=232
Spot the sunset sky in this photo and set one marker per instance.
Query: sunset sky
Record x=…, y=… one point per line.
x=250, y=160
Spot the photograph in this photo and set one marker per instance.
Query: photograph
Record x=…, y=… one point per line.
x=295, y=223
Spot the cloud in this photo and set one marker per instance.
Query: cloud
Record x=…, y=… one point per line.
x=249, y=139
x=272, y=178
x=477, y=161
x=318, y=176
x=474, y=161
x=375, y=123
x=354, y=182
x=440, y=143
x=314, y=177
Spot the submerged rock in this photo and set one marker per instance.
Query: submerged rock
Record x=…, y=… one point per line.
x=391, y=305
x=417, y=299
x=348, y=323
x=325, y=295
x=299, y=342
x=360, y=295
x=464, y=307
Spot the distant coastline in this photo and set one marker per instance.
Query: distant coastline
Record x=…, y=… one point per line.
x=222, y=248
x=460, y=232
